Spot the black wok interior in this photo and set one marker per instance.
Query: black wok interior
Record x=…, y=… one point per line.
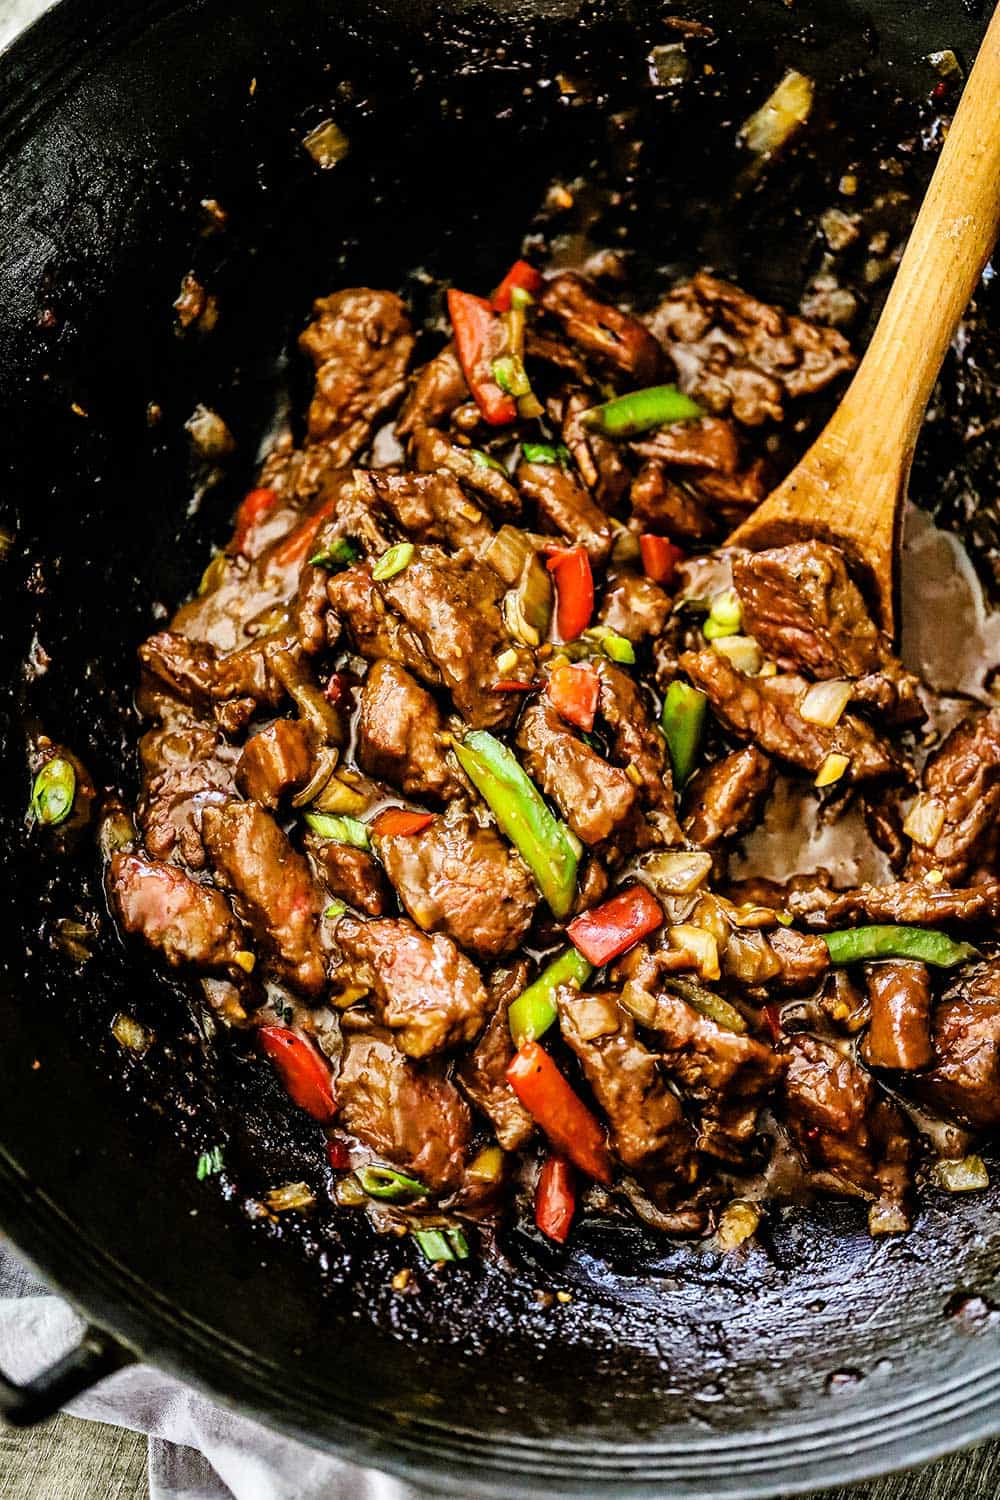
x=818, y=1354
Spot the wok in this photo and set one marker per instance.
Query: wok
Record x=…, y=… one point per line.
x=817, y=1356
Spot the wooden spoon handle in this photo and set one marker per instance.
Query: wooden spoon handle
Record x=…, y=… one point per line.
x=950, y=243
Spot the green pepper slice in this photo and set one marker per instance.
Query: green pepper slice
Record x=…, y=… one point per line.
x=854, y=944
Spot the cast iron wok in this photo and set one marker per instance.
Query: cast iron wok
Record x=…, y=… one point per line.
x=817, y=1356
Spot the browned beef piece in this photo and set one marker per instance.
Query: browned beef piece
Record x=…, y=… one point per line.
x=309, y=611
x=731, y=495
x=963, y=778
x=567, y=507
x=842, y=1126
x=231, y=686
x=562, y=356
x=432, y=450
x=738, y=355
x=409, y=1113
x=188, y=923
x=709, y=443
x=648, y=1129
x=611, y=337
x=812, y=890
x=425, y=991
x=598, y=459
x=274, y=761
x=634, y=606
x=374, y=629
x=463, y=880
x=884, y=822
x=964, y=1082
x=638, y=743
x=804, y=959
x=766, y=711
x=360, y=344
x=300, y=476
x=661, y=505
x=800, y=605
x=594, y=797
x=186, y=767
x=727, y=797
x=438, y=387
x=428, y=507
x=399, y=735
x=483, y=1077
x=899, y=1035
x=273, y=888
x=351, y=874
x=912, y=902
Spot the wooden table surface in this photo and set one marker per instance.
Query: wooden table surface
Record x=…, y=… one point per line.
x=73, y=1460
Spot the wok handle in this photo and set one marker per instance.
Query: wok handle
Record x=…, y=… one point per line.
x=94, y=1357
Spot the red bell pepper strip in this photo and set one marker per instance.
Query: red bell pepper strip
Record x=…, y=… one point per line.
x=338, y=1155
x=513, y=685
x=574, y=591
x=573, y=1130
x=304, y=1072
x=772, y=1020
x=605, y=931
x=659, y=557
x=253, y=508
x=294, y=548
x=336, y=687
x=478, y=342
x=573, y=692
x=555, y=1199
x=399, y=820
x=520, y=275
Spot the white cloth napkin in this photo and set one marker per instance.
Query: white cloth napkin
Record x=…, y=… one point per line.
x=197, y=1451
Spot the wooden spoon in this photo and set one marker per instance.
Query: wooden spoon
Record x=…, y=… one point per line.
x=849, y=487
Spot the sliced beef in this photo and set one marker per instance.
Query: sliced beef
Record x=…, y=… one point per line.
x=274, y=762
x=483, y=1077
x=909, y=902
x=567, y=507
x=800, y=604
x=425, y=991
x=400, y=732
x=725, y=800
x=273, y=888
x=188, y=923
x=899, y=1035
x=648, y=1129
x=187, y=767
x=309, y=611
x=635, y=607
x=598, y=459
x=710, y=443
x=438, y=388
x=660, y=504
x=964, y=1083
x=638, y=744
x=739, y=355
x=594, y=797
x=432, y=450
x=411, y=1114
x=804, y=959
x=350, y=874
x=428, y=507
x=463, y=880
x=360, y=343
x=232, y=686
x=375, y=630
x=962, y=781
x=766, y=711
x=612, y=338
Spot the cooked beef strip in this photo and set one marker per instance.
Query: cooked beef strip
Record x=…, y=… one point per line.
x=463, y=880
x=230, y=686
x=634, y=606
x=350, y=874
x=740, y=355
x=438, y=388
x=648, y=1129
x=483, y=1077
x=432, y=450
x=804, y=959
x=899, y=1035
x=425, y=991
x=430, y=507
x=309, y=611
x=912, y=902
x=594, y=797
x=963, y=779
x=638, y=743
x=273, y=888
x=710, y=443
x=375, y=631
x=186, y=922
x=187, y=767
x=409, y=1113
x=660, y=504
x=614, y=339
x=727, y=797
x=766, y=711
x=360, y=344
x=274, y=762
x=884, y=822
x=598, y=460
x=399, y=735
x=567, y=507
x=964, y=1083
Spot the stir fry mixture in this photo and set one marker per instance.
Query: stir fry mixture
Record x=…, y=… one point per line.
x=449, y=760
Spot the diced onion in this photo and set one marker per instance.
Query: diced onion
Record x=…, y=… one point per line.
x=209, y=434
x=327, y=144
x=737, y=1223
x=924, y=821
x=130, y=1033
x=781, y=114
x=515, y=622
x=507, y=662
x=326, y=764
x=966, y=1176
x=825, y=702
x=594, y=1016
x=743, y=651
x=677, y=873
x=488, y=1165
x=338, y=797
x=290, y=1195
x=638, y=1002
x=832, y=769
x=699, y=945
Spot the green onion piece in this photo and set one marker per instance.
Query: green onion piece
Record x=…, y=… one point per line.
x=545, y=453
x=520, y=299
x=335, y=909
x=386, y=1183
x=620, y=649
x=394, y=561
x=338, y=556
x=854, y=944
x=546, y=845
x=442, y=1244
x=707, y=1003
x=656, y=406
x=209, y=1162
x=683, y=721
x=724, y=617
x=53, y=792
x=534, y=1010
x=341, y=830
x=486, y=460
